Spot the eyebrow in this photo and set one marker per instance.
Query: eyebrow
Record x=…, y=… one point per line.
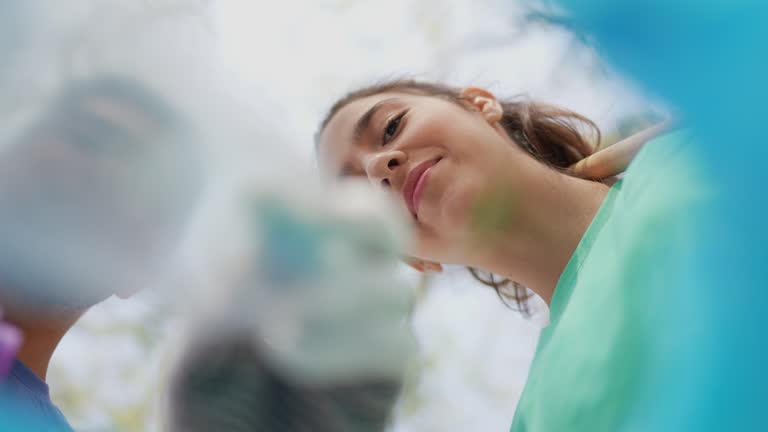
x=362, y=124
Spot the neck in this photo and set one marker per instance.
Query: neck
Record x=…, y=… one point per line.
x=537, y=248
x=41, y=336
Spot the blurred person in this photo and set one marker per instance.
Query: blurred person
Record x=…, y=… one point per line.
x=227, y=382
x=94, y=196
x=312, y=332
x=492, y=184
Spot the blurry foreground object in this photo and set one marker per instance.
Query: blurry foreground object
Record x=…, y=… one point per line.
x=228, y=383
x=94, y=196
x=705, y=367
x=314, y=335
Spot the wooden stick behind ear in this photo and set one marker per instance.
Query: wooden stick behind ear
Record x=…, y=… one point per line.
x=615, y=159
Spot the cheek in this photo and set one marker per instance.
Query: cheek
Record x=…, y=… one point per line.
x=450, y=196
x=430, y=128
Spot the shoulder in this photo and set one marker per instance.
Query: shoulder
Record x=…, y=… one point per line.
x=24, y=402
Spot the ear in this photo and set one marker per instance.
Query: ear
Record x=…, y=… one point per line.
x=484, y=101
x=423, y=266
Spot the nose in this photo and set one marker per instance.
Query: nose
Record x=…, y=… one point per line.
x=382, y=167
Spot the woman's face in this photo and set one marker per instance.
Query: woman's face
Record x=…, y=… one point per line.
x=438, y=158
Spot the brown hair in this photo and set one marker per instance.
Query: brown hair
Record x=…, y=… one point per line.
x=555, y=136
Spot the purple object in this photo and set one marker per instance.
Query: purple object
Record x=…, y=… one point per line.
x=10, y=341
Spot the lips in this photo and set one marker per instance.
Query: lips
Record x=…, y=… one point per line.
x=414, y=184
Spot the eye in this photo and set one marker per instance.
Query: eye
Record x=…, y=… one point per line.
x=391, y=128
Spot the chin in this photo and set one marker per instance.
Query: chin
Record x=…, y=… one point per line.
x=436, y=244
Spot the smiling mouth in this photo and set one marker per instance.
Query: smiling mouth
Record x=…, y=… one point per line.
x=415, y=184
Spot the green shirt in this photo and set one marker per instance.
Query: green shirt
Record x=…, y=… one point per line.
x=593, y=356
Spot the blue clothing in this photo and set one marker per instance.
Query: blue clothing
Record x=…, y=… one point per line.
x=25, y=403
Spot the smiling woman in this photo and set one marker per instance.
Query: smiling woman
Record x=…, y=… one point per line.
x=420, y=138
x=496, y=186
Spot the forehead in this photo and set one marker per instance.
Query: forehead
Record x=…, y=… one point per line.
x=337, y=138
